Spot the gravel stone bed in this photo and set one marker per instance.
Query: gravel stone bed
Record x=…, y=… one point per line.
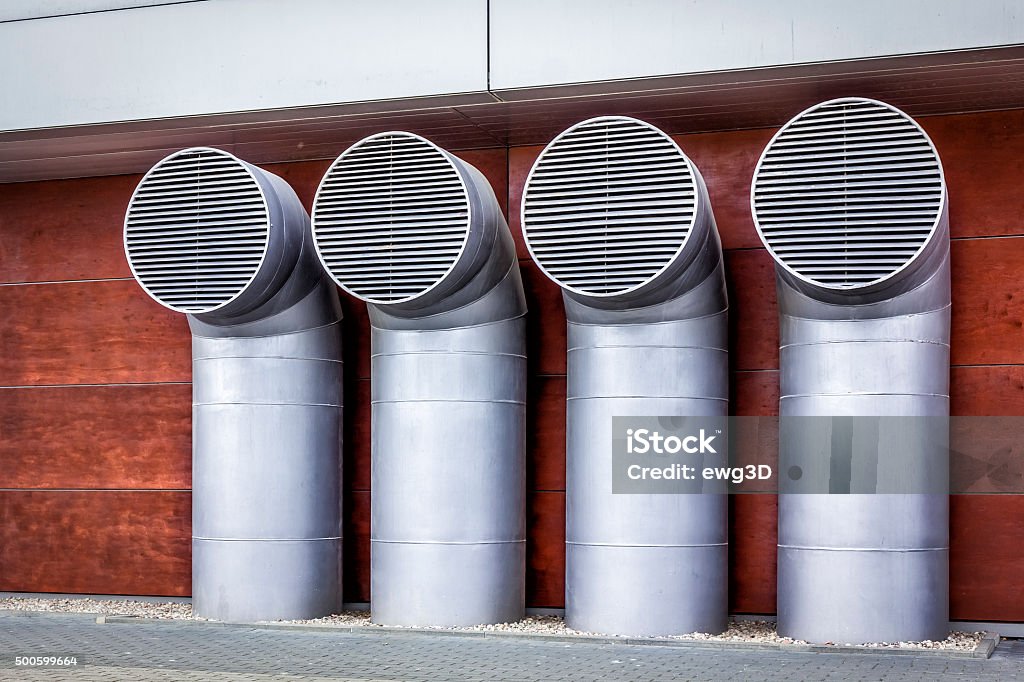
x=105, y=607
x=748, y=631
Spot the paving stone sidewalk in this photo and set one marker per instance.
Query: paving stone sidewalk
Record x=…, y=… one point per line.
x=187, y=651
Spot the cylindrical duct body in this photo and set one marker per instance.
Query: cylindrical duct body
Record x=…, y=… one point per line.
x=418, y=234
x=617, y=216
x=850, y=200
x=229, y=243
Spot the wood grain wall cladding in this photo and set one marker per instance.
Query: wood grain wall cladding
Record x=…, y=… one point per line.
x=520, y=161
x=545, y=322
x=988, y=303
x=97, y=437
x=753, y=311
x=545, y=434
x=355, y=341
x=545, y=550
x=753, y=537
x=357, y=434
x=983, y=159
x=356, y=549
x=726, y=162
x=996, y=391
x=985, y=557
x=64, y=229
x=89, y=333
x=754, y=394
x=97, y=542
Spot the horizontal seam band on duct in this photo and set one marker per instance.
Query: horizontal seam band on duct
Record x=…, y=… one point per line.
x=896, y=550
x=206, y=358
x=409, y=400
x=329, y=538
x=676, y=397
x=720, y=313
x=445, y=330
x=268, y=403
x=616, y=544
x=290, y=332
x=645, y=346
x=857, y=320
x=849, y=393
x=456, y=353
x=879, y=340
x=448, y=542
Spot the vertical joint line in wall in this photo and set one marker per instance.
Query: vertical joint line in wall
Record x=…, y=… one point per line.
x=487, y=51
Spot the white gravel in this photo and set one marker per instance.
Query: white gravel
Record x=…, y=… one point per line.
x=749, y=631
x=105, y=607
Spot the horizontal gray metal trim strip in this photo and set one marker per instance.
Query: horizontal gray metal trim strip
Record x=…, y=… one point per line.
x=441, y=542
x=615, y=544
x=254, y=402
x=898, y=550
x=327, y=539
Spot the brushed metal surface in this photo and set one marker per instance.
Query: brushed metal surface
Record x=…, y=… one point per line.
x=448, y=378
x=864, y=567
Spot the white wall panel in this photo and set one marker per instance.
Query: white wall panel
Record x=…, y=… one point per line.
x=552, y=42
x=236, y=55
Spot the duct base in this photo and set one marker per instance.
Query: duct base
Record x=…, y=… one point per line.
x=861, y=596
x=257, y=580
x=447, y=585
x=646, y=591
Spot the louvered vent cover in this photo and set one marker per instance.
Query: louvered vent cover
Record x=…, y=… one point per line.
x=391, y=217
x=196, y=230
x=848, y=193
x=608, y=205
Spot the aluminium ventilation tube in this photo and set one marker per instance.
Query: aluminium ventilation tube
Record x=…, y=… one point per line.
x=620, y=219
x=418, y=234
x=228, y=244
x=850, y=201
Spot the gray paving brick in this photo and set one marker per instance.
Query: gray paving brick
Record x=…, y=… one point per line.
x=177, y=651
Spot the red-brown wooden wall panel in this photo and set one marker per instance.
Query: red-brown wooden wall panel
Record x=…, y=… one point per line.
x=726, y=162
x=119, y=437
x=545, y=549
x=356, y=546
x=983, y=161
x=545, y=433
x=71, y=230
x=89, y=333
x=753, y=535
x=986, y=557
x=110, y=542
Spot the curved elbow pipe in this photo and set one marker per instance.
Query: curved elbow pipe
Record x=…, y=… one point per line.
x=228, y=244
x=418, y=234
x=850, y=200
x=620, y=219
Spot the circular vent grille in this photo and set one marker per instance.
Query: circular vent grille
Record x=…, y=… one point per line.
x=608, y=205
x=391, y=217
x=196, y=230
x=848, y=193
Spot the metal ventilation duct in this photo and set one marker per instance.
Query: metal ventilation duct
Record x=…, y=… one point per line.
x=849, y=198
x=616, y=215
x=228, y=243
x=418, y=235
